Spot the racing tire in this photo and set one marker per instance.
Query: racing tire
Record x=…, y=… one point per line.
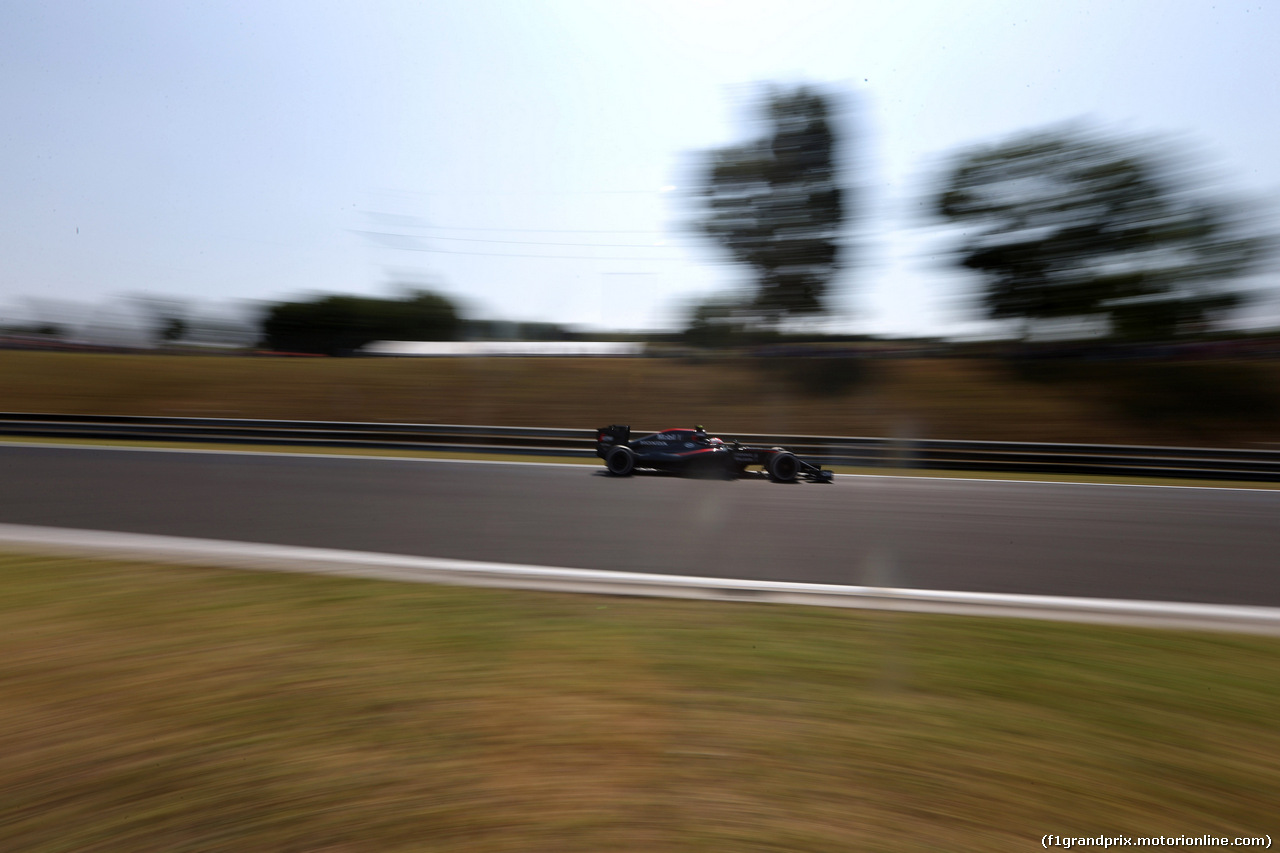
x=621, y=461
x=783, y=468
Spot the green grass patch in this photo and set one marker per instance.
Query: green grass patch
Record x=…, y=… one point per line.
x=150, y=708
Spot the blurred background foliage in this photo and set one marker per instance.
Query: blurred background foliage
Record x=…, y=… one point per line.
x=341, y=325
x=1120, y=266
x=1067, y=224
x=776, y=204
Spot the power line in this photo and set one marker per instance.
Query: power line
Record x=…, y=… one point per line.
x=418, y=248
x=422, y=193
x=417, y=222
x=539, y=242
x=549, y=257
x=541, y=230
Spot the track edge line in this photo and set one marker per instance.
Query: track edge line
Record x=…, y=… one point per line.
x=394, y=567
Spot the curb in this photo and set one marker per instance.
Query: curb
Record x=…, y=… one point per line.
x=361, y=564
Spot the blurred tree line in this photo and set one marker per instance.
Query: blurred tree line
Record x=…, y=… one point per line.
x=1069, y=232
x=1067, y=225
x=341, y=325
x=1124, y=245
x=1068, y=229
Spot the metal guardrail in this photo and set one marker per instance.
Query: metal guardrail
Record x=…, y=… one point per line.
x=932, y=454
x=377, y=435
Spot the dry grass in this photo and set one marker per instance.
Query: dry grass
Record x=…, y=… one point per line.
x=148, y=708
x=917, y=398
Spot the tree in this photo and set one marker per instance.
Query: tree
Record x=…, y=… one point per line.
x=166, y=317
x=172, y=330
x=776, y=204
x=1067, y=224
x=714, y=322
x=340, y=325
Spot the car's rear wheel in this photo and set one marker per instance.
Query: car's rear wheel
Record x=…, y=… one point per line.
x=783, y=468
x=621, y=461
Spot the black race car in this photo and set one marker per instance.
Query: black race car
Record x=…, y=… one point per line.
x=693, y=452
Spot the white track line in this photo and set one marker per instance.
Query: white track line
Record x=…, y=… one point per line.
x=258, y=557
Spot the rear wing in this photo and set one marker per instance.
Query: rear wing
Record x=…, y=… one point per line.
x=612, y=435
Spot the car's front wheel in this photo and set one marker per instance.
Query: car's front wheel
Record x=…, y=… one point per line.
x=621, y=461
x=783, y=468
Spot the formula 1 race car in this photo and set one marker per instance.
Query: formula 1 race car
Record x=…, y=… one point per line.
x=692, y=452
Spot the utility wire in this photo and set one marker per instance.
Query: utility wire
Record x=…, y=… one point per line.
x=549, y=257
x=397, y=220
x=541, y=230
x=392, y=241
x=542, y=242
x=417, y=223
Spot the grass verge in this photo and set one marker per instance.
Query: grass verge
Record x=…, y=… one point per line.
x=941, y=398
x=156, y=708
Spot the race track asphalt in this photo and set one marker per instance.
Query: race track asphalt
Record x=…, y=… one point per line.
x=1170, y=544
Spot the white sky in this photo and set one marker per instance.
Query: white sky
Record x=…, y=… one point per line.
x=217, y=151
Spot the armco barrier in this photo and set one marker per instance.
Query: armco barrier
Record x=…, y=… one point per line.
x=990, y=456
